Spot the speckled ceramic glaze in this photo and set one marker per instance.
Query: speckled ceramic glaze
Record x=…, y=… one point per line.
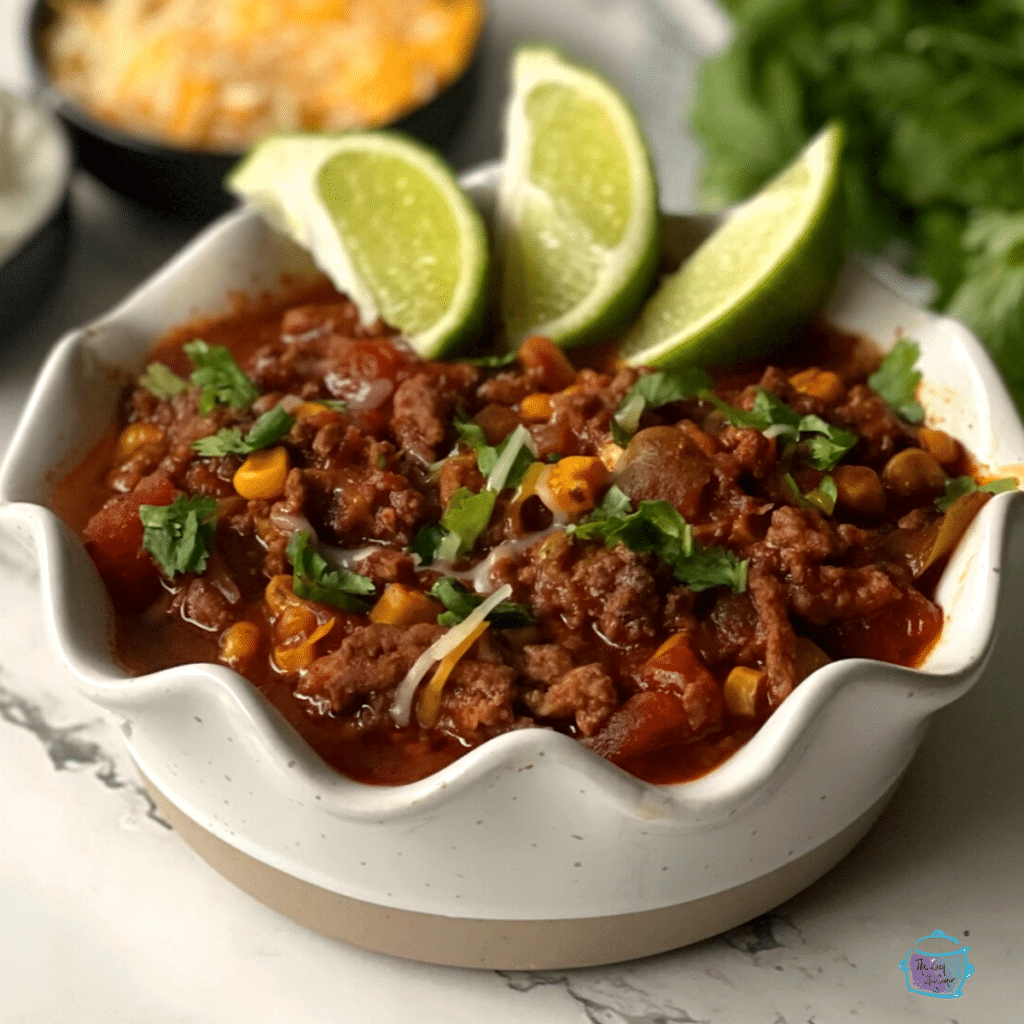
x=557, y=855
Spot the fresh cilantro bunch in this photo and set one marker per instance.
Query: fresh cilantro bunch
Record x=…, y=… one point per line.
x=657, y=526
x=931, y=93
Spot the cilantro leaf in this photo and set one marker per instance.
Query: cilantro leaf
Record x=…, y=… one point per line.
x=488, y=457
x=896, y=380
x=160, y=380
x=958, y=486
x=823, y=497
x=465, y=518
x=826, y=443
x=314, y=580
x=267, y=430
x=217, y=375
x=767, y=413
x=180, y=535
x=651, y=391
x=459, y=602
x=426, y=542
x=657, y=526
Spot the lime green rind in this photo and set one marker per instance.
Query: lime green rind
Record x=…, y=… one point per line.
x=621, y=279
x=766, y=309
x=282, y=179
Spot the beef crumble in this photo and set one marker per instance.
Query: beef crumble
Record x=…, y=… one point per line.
x=661, y=675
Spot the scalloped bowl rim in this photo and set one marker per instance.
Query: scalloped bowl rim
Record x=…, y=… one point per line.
x=748, y=774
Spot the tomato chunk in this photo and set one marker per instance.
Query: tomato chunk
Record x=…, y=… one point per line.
x=113, y=538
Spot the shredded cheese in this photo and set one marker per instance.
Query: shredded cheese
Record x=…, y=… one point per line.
x=401, y=706
x=429, y=705
x=221, y=75
x=517, y=441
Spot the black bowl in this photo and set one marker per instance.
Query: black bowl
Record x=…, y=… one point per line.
x=189, y=183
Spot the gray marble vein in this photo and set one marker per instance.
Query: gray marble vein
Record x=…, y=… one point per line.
x=69, y=750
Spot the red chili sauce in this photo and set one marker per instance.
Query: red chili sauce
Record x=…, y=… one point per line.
x=662, y=642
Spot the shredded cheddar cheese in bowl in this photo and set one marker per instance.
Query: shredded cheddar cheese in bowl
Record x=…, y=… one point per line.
x=219, y=76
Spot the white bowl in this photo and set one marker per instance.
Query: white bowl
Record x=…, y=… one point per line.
x=530, y=851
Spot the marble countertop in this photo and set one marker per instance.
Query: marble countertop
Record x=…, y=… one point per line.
x=107, y=917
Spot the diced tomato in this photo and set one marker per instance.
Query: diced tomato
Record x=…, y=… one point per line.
x=113, y=538
x=682, y=702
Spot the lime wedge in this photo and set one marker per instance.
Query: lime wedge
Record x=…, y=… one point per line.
x=577, y=206
x=768, y=267
x=386, y=220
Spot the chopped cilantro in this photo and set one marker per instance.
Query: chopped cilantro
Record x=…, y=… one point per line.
x=896, y=380
x=958, y=486
x=824, y=443
x=468, y=514
x=314, y=580
x=651, y=391
x=160, y=380
x=465, y=518
x=488, y=457
x=459, y=602
x=658, y=527
x=217, y=375
x=268, y=429
x=823, y=497
x=426, y=542
x=180, y=535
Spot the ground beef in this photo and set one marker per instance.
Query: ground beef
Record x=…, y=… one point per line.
x=614, y=639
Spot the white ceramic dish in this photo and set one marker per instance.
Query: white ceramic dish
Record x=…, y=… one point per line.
x=529, y=851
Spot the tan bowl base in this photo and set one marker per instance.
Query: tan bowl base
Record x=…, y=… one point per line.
x=511, y=944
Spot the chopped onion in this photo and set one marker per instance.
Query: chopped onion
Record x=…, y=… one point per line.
x=401, y=707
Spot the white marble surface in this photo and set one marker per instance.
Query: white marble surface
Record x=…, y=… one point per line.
x=106, y=917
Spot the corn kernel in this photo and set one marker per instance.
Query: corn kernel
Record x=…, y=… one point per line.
x=239, y=643
x=134, y=437
x=536, y=407
x=823, y=384
x=742, y=688
x=400, y=606
x=263, y=474
x=296, y=657
x=575, y=481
